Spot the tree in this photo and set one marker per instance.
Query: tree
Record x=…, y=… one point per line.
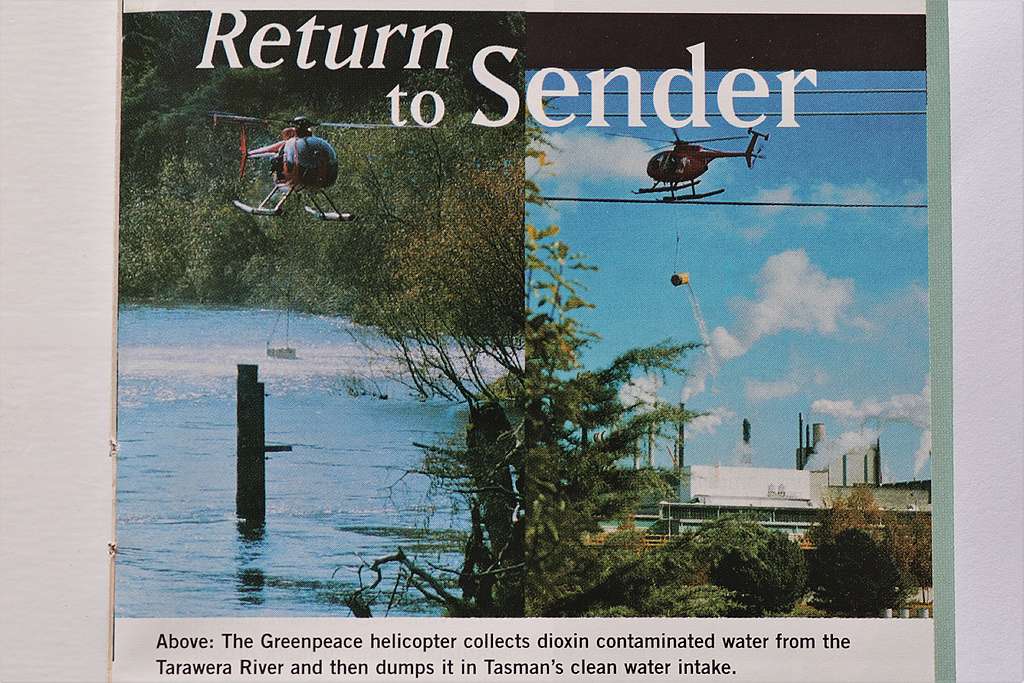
x=906, y=534
x=909, y=536
x=434, y=271
x=856, y=510
x=769, y=581
x=632, y=580
x=574, y=479
x=855, y=575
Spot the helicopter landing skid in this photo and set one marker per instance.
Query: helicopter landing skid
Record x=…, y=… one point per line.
x=265, y=208
x=658, y=187
x=255, y=210
x=333, y=215
x=691, y=197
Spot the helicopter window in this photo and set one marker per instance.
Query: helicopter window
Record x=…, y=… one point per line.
x=311, y=149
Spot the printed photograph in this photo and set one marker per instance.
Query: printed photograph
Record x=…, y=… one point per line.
x=320, y=337
x=728, y=329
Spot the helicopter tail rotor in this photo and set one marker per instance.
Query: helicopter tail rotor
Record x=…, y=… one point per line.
x=243, y=147
x=750, y=154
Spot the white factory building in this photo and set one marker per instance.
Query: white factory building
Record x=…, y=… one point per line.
x=788, y=500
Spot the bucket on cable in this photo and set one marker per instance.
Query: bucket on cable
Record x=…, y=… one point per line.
x=680, y=279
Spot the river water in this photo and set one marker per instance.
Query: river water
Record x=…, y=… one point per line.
x=337, y=497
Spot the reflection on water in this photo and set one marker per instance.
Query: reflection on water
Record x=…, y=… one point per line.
x=250, y=586
x=337, y=497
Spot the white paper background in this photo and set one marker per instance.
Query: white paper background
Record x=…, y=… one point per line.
x=58, y=80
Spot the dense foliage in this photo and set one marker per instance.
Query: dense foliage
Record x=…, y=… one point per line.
x=183, y=242
x=905, y=536
x=855, y=575
x=767, y=579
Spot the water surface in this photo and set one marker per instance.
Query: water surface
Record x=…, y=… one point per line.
x=337, y=497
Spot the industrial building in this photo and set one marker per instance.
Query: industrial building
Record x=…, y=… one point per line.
x=787, y=500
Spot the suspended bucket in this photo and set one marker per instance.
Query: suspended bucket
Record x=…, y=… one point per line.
x=680, y=279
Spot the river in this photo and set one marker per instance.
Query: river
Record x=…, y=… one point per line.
x=338, y=496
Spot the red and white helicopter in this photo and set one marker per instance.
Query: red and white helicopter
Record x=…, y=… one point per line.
x=300, y=163
x=679, y=167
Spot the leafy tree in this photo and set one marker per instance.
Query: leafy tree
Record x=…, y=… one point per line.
x=770, y=580
x=433, y=269
x=855, y=575
x=909, y=536
x=632, y=580
x=906, y=534
x=574, y=479
x=856, y=510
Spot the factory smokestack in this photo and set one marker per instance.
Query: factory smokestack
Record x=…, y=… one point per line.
x=878, y=461
x=745, y=452
x=800, y=439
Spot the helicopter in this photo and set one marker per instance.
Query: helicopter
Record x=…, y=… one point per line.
x=679, y=168
x=300, y=162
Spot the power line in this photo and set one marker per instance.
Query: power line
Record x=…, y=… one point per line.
x=832, y=91
x=622, y=115
x=821, y=205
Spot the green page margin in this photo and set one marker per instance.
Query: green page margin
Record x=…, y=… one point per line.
x=940, y=315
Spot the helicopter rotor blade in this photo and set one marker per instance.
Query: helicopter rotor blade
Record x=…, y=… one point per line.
x=237, y=118
x=331, y=124
x=218, y=116
x=729, y=137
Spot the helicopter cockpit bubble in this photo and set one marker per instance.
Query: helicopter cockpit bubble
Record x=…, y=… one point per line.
x=317, y=160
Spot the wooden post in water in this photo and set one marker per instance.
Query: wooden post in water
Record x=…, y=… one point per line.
x=251, y=491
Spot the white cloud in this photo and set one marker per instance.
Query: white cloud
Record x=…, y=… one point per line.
x=709, y=422
x=855, y=441
x=724, y=345
x=903, y=303
x=779, y=194
x=795, y=379
x=912, y=409
x=831, y=193
x=584, y=155
x=792, y=294
x=846, y=194
x=641, y=392
x=766, y=391
x=864, y=324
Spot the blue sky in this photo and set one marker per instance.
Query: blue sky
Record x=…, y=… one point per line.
x=822, y=311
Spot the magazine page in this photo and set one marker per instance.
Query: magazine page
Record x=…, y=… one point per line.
x=503, y=345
